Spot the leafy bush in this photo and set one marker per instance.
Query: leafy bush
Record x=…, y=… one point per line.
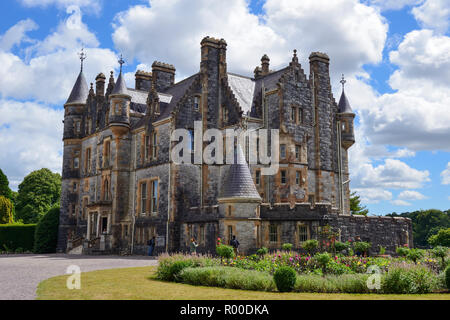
x=361, y=246
x=323, y=259
x=415, y=255
x=287, y=246
x=442, y=238
x=402, y=251
x=13, y=236
x=310, y=246
x=348, y=283
x=337, y=268
x=166, y=271
x=412, y=279
x=6, y=210
x=340, y=246
x=382, y=250
x=227, y=277
x=176, y=268
x=284, y=279
x=46, y=235
x=440, y=252
x=262, y=251
x=225, y=251
x=447, y=277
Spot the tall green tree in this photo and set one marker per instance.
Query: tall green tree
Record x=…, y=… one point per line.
x=4, y=186
x=355, y=205
x=6, y=210
x=38, y=192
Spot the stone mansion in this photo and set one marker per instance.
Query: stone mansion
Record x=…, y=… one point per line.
x=120, y=186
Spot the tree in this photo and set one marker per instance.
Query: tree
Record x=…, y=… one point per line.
x=38, y=192
x=4, y=186
x=355, y=205
x=6, y=210
x=442, y=238
x=46, y=234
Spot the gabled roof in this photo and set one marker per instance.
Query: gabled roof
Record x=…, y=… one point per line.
x=243, y=89
x=120, y=87
x=80, y=91
x=238, y=183
x=344, y=105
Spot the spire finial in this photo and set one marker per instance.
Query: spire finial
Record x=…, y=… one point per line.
x=121, y=62
x=294, y=58
x=343, y=81
x=83, y=57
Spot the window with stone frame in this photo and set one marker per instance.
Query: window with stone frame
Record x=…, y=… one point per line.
x=190, y=230
x=224, y=115
x=84, y=207
x=143, y=200
x=282, y=151
x=316, y=229
x=146, y=147
x=106, y=153
x=154, y=197
x=76, y=163
x=297, y=152
x=87, y=160
x=311, y=199
x=106, y=190
x=298, y=178
x=283, y=177
x=258, y=177
x=300, y=116
x=196, y=103
x=303, y=233
x=75, y=187
x=230, y=233
x=273, y=233
x=294, y=114
x=154, y=145
x=77, y=125
x=201, y=235
x=344, y=126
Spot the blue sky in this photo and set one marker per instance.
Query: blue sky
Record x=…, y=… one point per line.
x=395, y=55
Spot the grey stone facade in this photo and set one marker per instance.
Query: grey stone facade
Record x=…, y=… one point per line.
x=120, y=186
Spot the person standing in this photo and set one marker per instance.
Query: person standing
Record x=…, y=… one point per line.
x=235, y=244
x=151, y=245
x=193, y=247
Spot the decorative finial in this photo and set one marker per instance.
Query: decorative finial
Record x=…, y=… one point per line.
x=343, y=81
x=83, y=57
x=121, y=62
x=294, y=58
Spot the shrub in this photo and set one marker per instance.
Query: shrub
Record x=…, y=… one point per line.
x=338, y=268
x=6, y=210
x=447, y=277
x=262, y=251
x=362, y=247
x=412, y=279
x=382, y=250
x=284, y=279
x=46, y=234
x=323, y=259
x=228, y=277
x=176, y=268
x=442, y=238
x=225, y=251
x=167, y=272
x=415, y=254
x=310, y=246
x=402, y=251
x=13, y=236
x=440, y=252
x=340, y=246
x=287, y=246
x=348, y=283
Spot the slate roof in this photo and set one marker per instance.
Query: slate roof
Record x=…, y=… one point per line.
x=80, y=90
x=243, y=89
x=120, y=87
x=238, y=183
x=344, y=105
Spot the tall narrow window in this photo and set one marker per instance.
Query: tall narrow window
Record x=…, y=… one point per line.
x=76, y=163
x=258, y=177
x=283, y=177
x=154, y=145
x=191, y=136
x=202, y=234
x=154, y=202
x=147, y=147
x=107, y=153
x=106, y=190
x=297, y=152
x=196, y=103
x=300, y=116
x=293, y=114
x=88, y=160
x=283, y=151
x=143, y=197
x=230, y=233
x=273, y=233
x=77, y=126
x=298, y=177
x=302, y=233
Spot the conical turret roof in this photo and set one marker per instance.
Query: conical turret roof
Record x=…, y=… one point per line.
x=344, y=105
x=80, y=90
x=120, y=87
x=238, y=184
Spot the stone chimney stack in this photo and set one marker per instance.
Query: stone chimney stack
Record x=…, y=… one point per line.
x=163, y=75
x=100, y=81
x=143, y=80
x=265, y=65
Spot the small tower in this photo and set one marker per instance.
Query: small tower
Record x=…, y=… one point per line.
x=265, y=65
x=346, y=118
x=73, y=114
x=119, y=105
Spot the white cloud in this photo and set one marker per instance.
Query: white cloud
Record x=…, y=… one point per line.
x=50, y=72
x=400, y=203
x=394, y=4
x=373, y=195
x=17, y=34
x=411, y=195
x=94, y=5
x=352, y=34
x=445, y=175
x=434, y=14
x=30, y=139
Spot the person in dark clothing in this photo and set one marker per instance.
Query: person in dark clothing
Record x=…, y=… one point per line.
x=235, y=244
x=151, y=246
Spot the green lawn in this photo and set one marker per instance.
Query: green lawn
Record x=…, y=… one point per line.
x=139, y=284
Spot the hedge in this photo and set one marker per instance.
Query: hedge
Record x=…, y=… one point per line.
x=46, y=235
x=14, y=236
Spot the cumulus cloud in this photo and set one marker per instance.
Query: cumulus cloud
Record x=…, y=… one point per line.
x=373, y=195
x=52, y=61
x=352, y=34
x=393, y=4
x=17, y=34
x=400, y=203
x=411, y=195
x=94, y=5
x=30, y=138
x=433, y=14
x=445, y=175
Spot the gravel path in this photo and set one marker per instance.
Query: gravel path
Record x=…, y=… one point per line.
x=21, y=274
